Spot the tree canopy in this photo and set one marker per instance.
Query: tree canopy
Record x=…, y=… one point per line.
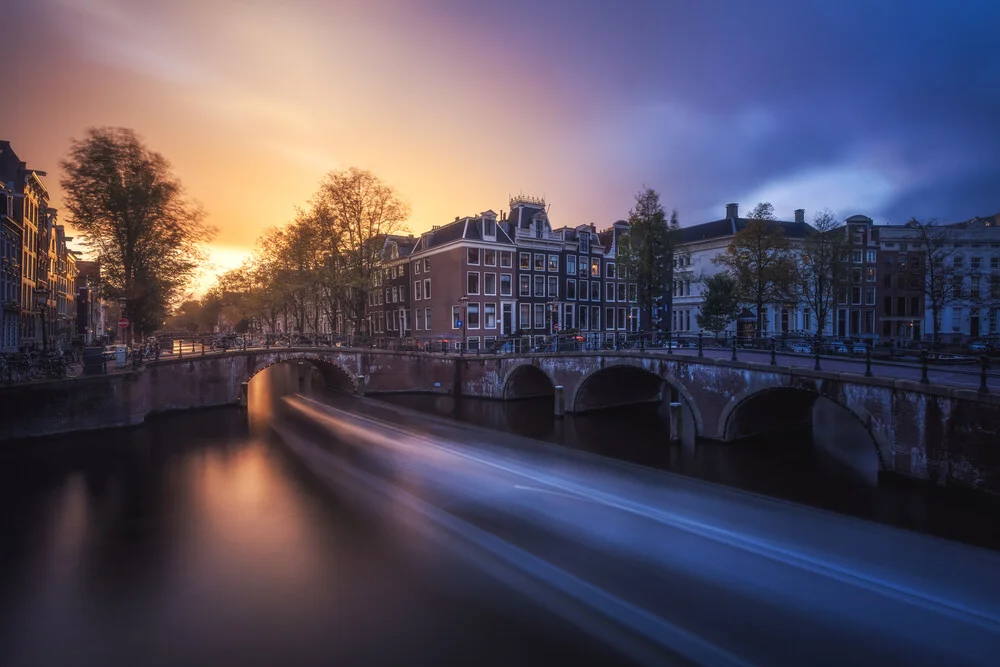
x=132, y=214
x=721, y=305
x=822, y=270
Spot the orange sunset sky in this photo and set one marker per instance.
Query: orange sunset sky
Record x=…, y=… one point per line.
x=253, y=102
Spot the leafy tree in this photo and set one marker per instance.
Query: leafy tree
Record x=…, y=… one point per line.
x=132, y=213
x=354, y=211
x=646, y=253
x=821, y=272
x=760, y=260
x=721, y=303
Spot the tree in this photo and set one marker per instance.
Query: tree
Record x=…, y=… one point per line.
x=821, y=271
x=721, y=303
x=354, y=211
x=944, y=277
x=132, y=213
x=760, y=261
x=647, y=252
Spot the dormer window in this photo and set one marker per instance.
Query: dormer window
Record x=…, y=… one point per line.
x=490, y=229
x=585, y=242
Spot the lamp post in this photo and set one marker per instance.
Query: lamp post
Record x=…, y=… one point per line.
x=464, y=303
x=553, y=325
x=42, y=303
x=123, y=312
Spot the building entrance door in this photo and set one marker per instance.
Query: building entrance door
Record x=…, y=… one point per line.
x=506, y=319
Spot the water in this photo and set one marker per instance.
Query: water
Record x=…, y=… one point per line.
x=192, y=541
x=783, y=466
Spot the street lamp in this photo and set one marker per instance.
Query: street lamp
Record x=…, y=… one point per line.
x=464, y=303
x=553, y=325
x=122, y=313
x=42, y=303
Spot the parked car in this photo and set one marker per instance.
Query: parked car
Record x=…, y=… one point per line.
x=980, y=346
x=837, y=347
x=859, y=348
x=800, y=348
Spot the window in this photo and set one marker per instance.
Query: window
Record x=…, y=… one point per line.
x=915, y=306
x=473, y=256
x=585, y=242
x=490, y=284
x=416, y=267
x=402, y=294
x=489, y=257
x=392, y=272
x=427, y=288
x=472, y=315
x=490, y=229
x=505, y=284
x=595, y=318
x=553, y=286
x=976, y=263
x=609, y=292
x=856, y=256
x=506, y=260
x=539, y=316
x=609, y=318
x=395, y=295
x=525, y=285
x=388, y=295
x=427, y=319
x=569, y=318
x=595, y=268
x=887, y=306
x=490, y=315
x=539, y=261
x=571, y=289
x=887, y=281
x=869, y=296
x=524, y=261
x=974, y=289
x=456, y=317
x=609, y=270
x=539, y=285
x=595, y=291
x=870, y=256
x=525, y=315
x=633, y=294
x=995, y=263
x=582, y=267
x=418, y=290
x=472, y=283
x=584, y=290
x=956, y=318
x=620, y=292
x=583, y=324
x=570, y=265
x=870, y=274
x=553, y=262
x=402, y=270
x=807, y=319
x=959, y=261
x=427, y=264
x=856, y=295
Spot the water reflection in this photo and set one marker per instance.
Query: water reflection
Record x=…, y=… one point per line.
x=191, y=541
x=785, y=466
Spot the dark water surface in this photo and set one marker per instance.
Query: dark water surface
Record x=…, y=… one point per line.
x=783, y=466
x=191, y=541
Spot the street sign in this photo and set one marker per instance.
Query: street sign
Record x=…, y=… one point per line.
x=123, y=322
x=458, y=324
x=555, y=327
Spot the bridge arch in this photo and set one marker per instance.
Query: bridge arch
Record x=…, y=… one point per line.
x=335, y=375
x=647, y=385
x=527, y=381
x=837, y=427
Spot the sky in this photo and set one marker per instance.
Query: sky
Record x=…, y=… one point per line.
x=886, y=108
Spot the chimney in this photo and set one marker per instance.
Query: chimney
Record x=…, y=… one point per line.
x=732, y=210
x=800, y=215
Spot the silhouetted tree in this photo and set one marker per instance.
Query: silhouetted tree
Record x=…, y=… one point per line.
x=721, y=303
x=822, y=271
x=132, y=214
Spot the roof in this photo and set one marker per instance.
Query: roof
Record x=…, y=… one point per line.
x=463, y=229
x=730, y=226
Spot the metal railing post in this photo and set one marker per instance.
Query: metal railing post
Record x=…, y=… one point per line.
x=816, y=356
x=701, y=345
x=774, y=362
x=868, y=361
x=923, y=367
x=670, y=341
x=642, y=342
x=734, y=348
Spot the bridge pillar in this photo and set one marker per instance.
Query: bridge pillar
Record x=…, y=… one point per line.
x=676, y=425
x=560, y=401
x=244, y=392
x=360, y=382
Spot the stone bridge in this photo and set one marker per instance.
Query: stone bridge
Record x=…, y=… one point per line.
x=921, y=430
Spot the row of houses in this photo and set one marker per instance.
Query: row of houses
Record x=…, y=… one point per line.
x=48, y=295
x=490, y=276
x=493, y=275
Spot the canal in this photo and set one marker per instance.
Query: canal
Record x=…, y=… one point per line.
x=197, y=538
